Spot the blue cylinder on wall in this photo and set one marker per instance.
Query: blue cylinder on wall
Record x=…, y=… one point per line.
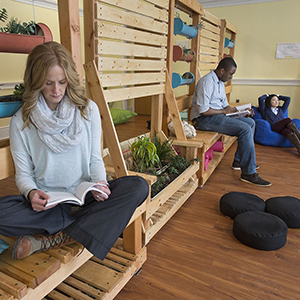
x=187, y=78
x=188, y=31
x=229, y=43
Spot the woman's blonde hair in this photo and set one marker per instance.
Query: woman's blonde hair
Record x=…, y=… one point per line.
x=39, y=61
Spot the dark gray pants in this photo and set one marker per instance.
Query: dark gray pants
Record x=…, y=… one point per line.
x=97, y=225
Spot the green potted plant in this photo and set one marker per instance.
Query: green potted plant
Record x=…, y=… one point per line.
x=156, y=158
x=9, y=104
x=21, y=37
x=144, y=153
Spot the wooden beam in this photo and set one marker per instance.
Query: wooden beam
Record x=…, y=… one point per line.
x=69, y=26
x=107, y=123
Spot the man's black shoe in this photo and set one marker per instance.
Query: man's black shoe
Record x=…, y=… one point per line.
x=255, y=179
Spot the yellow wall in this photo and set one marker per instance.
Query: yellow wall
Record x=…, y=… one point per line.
x=260, y=27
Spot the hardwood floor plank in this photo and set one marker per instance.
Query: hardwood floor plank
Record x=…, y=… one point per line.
x=195, y=255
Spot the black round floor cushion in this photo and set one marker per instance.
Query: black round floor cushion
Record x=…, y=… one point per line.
x=287, y=208
x=260, y=230
x=234, y=203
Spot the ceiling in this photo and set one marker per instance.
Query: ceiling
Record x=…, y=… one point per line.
x=219, y=3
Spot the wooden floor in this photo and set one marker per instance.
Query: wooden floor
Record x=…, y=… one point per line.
x=196, y=256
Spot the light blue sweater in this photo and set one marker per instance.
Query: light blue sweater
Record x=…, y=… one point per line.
x=37, y=167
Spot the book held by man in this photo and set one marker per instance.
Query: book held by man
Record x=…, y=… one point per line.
x=78, y=199
x=243, y=111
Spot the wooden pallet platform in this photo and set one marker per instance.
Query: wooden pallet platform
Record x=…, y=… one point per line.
x=74, y=271
x=163, y=214
x=98, y=279
x=202, y=142
x=36, y=275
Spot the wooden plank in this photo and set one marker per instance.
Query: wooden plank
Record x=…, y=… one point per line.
x=28, y=279
x=132, y=236
x=7, y=166
x=211, y=18
x=210, y=35
x=195, y=45
x=231, y=27
x=116, y=15
x=160, y=3
x=97, y=275
x=119, y=79
x=209, y=43
x=69, y=25
x=64, y=271
x=12, y=286
x=140, y=7
x=72, y=292
x=156, y=113
x=55, y=295
x=107, y=122
x=191, y=6
x=208, y=58
x=62, y=255
x=89, y=30
x=174, y=112
x=84, y=287
x=228, y=89
x=123, y=64
x=211, y=51
x=118, y=32
x=164, y=195
x=207, y=66
x=126, y=49
x=133, y=92
x=5, y=296
x=184, y=102
x=188, y=190
x=73, y=248
x=222, y=39
x=39, y=265
x=211, y=27
x=112, y=264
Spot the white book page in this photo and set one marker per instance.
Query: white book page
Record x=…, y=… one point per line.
x=58, y=197
x=80, y=193
x=243, y=107
x=239, y=114
x=84, y=188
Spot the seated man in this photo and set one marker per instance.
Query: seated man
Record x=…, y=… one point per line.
x=209, y=109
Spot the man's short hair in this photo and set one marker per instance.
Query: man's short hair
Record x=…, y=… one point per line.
x=226, y=63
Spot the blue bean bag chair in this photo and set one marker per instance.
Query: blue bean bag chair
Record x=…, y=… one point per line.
x=265, y=136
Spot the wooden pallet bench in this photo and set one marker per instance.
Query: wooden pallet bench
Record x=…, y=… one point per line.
x=71, y=270
x=198, y=145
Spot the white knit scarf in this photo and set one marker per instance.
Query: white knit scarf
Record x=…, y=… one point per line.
x=61, y=129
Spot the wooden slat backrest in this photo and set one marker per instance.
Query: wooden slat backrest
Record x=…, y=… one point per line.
x=131, y=47
x=210, y=37
x=128, y=41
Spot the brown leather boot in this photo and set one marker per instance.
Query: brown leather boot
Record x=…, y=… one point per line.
x=29, y=244
x=292, y=126
x=294, y=140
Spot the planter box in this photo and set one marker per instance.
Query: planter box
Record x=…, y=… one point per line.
x=8, y=108
x=22, y=43
x=164, y=205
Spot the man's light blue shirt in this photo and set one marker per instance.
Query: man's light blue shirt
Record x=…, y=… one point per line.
x=209, y=93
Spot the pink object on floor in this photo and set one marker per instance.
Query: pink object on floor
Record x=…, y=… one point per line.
x=217, y=146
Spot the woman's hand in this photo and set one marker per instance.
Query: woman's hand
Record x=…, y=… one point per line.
x=38, y=199
x=102, y=186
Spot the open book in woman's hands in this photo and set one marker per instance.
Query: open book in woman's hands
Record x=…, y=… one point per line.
x=78, y=199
